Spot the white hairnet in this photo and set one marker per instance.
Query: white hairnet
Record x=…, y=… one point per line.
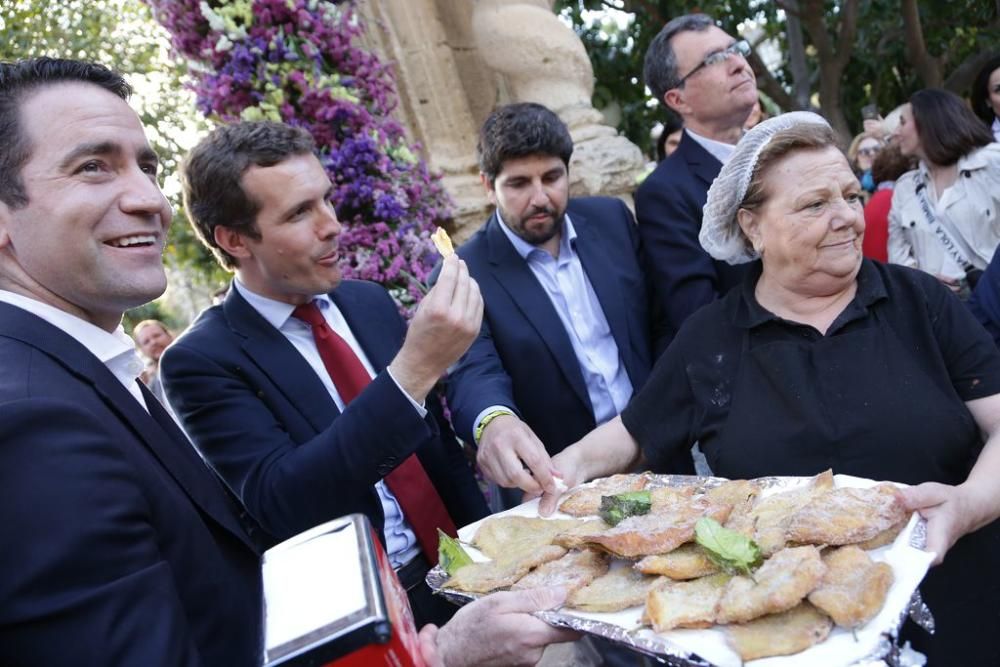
x=720, y=235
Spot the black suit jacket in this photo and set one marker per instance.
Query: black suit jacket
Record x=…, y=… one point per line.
x=668, y=207
x=262, y=417
x=523, y=357
x=120, y=546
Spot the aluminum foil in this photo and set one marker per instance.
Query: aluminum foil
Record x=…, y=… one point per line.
x=889, y=652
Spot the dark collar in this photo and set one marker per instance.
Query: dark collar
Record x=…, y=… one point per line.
x=746, y=312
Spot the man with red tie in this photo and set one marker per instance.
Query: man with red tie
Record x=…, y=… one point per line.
x=305, y=392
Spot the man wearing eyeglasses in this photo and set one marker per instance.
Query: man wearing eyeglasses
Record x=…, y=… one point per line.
x=698, y=71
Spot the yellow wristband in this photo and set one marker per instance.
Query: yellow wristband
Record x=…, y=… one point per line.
x=485, y=421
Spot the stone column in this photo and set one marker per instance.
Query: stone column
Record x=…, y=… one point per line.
x=544, y=61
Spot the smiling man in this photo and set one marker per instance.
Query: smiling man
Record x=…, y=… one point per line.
x=568, y=333
x=699, y=72
x=120, y=546
x=304, y=391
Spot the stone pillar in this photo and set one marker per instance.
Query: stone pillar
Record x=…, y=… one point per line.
x=544, y=61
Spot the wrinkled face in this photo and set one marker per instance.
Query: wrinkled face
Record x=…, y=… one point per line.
x=906, y=136
x=91, y=237
x=532, y=193
x=722, y=93
x=810, y=228
x=153, y=340
x=296, y=257
x=867, y=150
x=994, y=92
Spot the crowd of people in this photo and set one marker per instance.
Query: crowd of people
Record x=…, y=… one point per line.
x=782, y=304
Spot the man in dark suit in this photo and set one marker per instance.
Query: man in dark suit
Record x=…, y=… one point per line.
x=120, y=546
x=568, y=333
x=305, y=392
x=699, y=72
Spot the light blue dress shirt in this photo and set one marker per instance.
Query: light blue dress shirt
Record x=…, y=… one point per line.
x=568, y=288
x=400, y=540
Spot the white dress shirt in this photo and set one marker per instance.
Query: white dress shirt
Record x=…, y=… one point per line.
x=115, y=350
x=400, y=540
x=719, y=150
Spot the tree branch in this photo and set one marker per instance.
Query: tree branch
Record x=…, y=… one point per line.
x=927, y=67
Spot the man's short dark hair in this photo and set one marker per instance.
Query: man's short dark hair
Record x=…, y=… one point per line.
x=947, y=128
x=19, y=79
x=659, y=68
x=212, y=177
x=520, y=130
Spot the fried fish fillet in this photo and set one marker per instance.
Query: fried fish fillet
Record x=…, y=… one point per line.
x=620, y=588
x=854, y=587
x=847, y=516
x=688, y=561
x=770, y=515
x=573, y=571
x=501, y=573
x=586, y=501
x=786, y=633
x=778, y=585
x=685, y=604
x=657, y=533
x=510, y=536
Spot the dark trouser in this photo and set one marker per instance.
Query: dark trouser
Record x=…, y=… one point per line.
x=427, y=607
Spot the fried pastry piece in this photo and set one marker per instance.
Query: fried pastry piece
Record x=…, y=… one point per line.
x=665, y=498
x=854, y=587
x=770, y=515
x=688, y=561
x=778, y=585
x=586, y=501
x=657, y=533
x=574, y=570
x=786, y=633
x=742, y=495
x=509, y=537
x=885, y=537
x=496, y=574
x=620, y=588
x=847, y=516
x=684, y=604
x=575, y=536
x=442, y=242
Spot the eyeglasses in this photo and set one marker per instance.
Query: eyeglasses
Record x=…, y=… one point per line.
x=740, y=48
x=870, y=152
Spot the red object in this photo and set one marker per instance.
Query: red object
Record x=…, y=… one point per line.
x=409, y=482
x=875, y=245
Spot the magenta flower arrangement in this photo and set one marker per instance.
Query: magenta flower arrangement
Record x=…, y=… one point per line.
x=298, y=61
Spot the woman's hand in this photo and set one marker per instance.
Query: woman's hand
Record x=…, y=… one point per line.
x=949, y=511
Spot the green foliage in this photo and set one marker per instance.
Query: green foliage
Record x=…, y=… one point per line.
x=878, y=70
x=122, y=34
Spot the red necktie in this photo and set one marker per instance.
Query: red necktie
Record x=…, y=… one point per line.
x=409, y=482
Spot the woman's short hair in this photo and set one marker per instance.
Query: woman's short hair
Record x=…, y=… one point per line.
x=980, y=95
x=855, y=146
x=947, y=128
x=805, y=136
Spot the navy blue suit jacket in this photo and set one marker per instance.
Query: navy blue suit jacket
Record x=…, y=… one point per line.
x=120, y=546
x=265, y=421
x=523, y=357
x=668, y=207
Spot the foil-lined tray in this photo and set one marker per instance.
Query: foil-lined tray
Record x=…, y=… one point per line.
x=876, y=643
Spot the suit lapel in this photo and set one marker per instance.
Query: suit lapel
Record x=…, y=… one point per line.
x=604, y=278
x=289, y=372
x=378, y=346
x=513, y=275
x=700, y=162
x=169, y=445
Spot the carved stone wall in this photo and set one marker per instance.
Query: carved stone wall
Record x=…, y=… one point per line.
x=457, y=59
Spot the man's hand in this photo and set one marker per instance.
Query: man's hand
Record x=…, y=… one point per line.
x=496, y=630
x=443, y=328
x=508, y=445
x=948, y=510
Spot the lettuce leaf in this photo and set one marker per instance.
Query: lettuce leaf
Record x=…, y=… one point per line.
x=734, y=552
x=451, y=555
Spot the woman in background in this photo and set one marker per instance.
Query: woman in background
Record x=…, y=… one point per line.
x=986, y=95
x=888, y=165
x=861, y=153
x=944, y=218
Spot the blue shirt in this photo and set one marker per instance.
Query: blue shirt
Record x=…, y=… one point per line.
x=568, y=288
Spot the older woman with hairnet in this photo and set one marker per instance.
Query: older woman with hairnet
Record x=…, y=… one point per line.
x=823, y=359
